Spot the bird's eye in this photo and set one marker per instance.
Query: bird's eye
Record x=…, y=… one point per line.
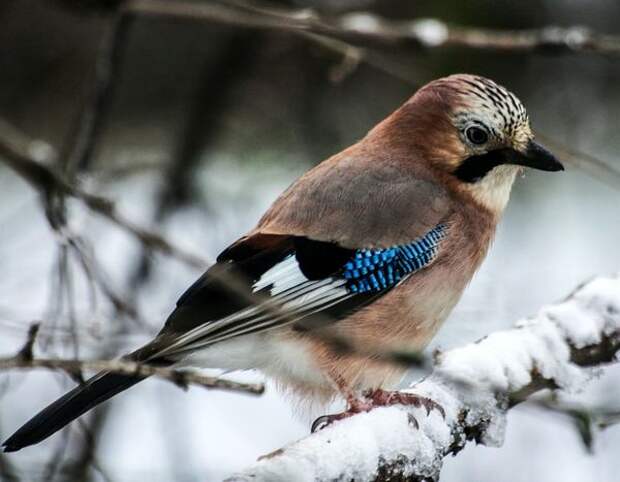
x=476, y=135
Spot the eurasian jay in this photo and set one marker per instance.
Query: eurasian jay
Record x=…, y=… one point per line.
x=374, y=246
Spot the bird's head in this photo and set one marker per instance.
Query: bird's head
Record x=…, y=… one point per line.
x=475, y=133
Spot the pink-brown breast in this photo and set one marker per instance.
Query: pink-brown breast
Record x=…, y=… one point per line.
x=404, y=319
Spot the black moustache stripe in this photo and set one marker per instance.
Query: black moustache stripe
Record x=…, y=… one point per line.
x=475, y=168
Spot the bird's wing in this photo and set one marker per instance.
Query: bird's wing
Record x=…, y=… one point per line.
x=345, y=233
x=268, y=281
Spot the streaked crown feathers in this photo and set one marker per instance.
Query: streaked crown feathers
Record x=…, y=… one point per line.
x=481, y=101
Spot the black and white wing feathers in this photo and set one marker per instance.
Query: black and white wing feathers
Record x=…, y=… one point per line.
x=268, y=281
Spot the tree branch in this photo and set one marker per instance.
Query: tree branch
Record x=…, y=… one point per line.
x=182, y=378
x=365, y=29
x=30, y=159
x=475, y=385
x=588, y=420
x=89, y=123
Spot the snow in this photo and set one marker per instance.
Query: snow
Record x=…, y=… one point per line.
x=352, y=450
x=471, y=383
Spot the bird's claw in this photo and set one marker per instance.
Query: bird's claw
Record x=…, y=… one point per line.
x=380, y=398
x=383, y=398
x=326, y=420
x=355, y=406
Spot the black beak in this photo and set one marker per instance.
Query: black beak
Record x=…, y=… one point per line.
x=535, y=156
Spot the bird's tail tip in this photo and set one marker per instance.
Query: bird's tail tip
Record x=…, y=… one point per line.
x=8, y=446
x=67, y=408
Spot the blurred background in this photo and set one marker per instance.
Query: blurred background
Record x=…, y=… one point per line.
x=193, y=126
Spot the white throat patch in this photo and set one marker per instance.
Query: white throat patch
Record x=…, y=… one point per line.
x=493, y=191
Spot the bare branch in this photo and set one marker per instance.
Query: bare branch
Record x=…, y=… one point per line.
x=475, y=385
x=30, y=158
x=587, y=420
x=89, y=122
x=368, y=30
x=181, y=378
x=95, y=275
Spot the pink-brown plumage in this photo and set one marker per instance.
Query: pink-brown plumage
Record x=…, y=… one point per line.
x=407, y=159
x=425, y=188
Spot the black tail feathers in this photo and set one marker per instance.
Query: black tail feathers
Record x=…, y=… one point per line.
x=69, y=407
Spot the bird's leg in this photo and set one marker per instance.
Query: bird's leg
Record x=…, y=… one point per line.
x=357, y=404
x=377, y=398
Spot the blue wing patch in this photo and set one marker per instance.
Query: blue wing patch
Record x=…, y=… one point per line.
x=373, y=270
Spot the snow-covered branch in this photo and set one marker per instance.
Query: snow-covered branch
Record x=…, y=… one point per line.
x=475, y=384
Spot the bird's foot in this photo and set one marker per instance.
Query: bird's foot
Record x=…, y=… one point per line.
x=384, y=398
x=379, y=398
x=356, y=405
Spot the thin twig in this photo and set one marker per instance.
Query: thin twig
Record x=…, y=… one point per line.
x=586, y=162
x=88, y=125
x=95, y=274
x=217, y=81
x=24, y=359
x=30, y=159
x=181, y=378
x=586, y=419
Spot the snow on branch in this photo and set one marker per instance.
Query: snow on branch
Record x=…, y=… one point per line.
x=475, y=384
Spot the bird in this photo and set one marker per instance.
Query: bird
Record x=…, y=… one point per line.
x=370, y=250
